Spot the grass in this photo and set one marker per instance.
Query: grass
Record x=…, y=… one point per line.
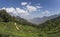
x=9, y=30
x=25, y=30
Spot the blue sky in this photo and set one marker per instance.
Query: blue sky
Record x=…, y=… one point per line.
x=31, y=8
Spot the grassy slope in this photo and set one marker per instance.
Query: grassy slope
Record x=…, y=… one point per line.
x=51, y=28
x=25, y=31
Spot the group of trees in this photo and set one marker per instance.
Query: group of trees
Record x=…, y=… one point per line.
x=5, y=17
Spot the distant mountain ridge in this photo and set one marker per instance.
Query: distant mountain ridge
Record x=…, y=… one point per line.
x=39, y=20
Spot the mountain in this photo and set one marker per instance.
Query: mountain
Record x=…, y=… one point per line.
x=51, y=28
x=39, y=20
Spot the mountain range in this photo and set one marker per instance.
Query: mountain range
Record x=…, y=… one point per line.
x=39, y=20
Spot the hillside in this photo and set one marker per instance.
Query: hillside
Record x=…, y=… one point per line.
x=51, y=28
x=9, y=30
x=40, y=20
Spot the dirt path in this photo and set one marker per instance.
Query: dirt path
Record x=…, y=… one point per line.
x=16, y=26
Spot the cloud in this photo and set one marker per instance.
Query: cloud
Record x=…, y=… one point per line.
x=39, y=6
x=31, y=8
x=10, y=9
x=16, y=11
x=23, y=3
x=46, y=13
x=19, y=11
x=25, y=12
x=3, y=8
x=22, y=11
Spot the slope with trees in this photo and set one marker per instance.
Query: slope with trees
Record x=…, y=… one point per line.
x=51, y=28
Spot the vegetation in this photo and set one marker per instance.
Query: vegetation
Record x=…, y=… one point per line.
x=9, y=29
x=51, y=28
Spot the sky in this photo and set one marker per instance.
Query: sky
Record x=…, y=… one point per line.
x=31, y=8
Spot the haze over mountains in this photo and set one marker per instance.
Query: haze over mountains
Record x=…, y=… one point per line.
x=39, y=20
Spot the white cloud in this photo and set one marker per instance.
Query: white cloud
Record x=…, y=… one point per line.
x=38, y=6
x=10, y=9
x=25, y=11
x=46, y=13
x=23, y=3
x=3, y=8
x=31, y=8
x=16, y=11
x=21, y=11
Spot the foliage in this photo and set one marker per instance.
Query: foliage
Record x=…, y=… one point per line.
x=8, y=29
x=51, y=28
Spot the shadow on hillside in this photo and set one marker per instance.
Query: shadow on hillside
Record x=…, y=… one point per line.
x=2, y=35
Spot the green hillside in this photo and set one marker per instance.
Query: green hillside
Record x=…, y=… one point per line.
x=9, y=29
x=51, y=28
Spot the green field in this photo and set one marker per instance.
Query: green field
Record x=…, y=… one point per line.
x=25, y=31
x=8, y=29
